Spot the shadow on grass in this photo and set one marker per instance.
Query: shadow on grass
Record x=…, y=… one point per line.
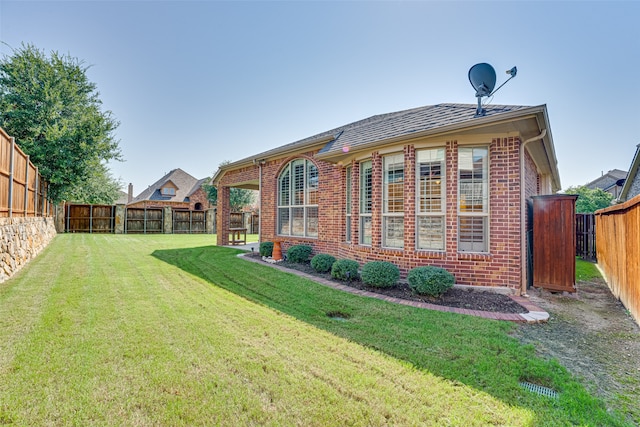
x=473, y=351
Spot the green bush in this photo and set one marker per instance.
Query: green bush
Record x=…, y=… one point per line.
x=266, y=248
x=299, y=253
x=381, y=274
x=322, y=262
x=345, y=269
x=433, y=281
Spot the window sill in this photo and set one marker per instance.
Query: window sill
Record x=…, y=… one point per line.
x=474, y=256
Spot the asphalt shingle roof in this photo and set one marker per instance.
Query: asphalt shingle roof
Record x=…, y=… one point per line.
x=186, y=184
x=406, y=122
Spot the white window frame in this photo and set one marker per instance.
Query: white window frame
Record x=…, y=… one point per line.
x=298, y=200
x=365, y=197
x=393, y=201
x=428, y=210
x=473, y=199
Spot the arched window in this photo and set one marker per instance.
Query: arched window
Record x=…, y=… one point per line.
x=198, y=206
x=298, y=199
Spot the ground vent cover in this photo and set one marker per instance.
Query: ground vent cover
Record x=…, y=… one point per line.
x=538, y=389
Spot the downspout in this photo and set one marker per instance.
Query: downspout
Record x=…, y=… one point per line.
x=260, y=203
x=523, y=215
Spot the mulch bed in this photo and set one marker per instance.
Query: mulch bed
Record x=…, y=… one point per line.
x=469, y=299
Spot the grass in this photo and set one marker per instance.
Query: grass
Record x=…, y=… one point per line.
x=586, y=271
x=164, y=330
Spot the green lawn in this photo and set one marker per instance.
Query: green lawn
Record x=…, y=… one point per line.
x=168, y=330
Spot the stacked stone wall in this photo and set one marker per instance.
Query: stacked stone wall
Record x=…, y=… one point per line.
x=21, y=239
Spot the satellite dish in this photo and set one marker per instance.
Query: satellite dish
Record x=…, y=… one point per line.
x=483, y=79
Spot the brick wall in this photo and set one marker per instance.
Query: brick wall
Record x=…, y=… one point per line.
x=500, y=267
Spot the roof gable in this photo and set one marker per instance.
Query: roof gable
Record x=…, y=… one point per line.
x=183, y=183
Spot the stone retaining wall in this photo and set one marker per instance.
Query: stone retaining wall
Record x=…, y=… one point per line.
x=21, y=239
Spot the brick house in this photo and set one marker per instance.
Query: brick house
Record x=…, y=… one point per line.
x=631, y=187
x=433, y=185
x=177, y=189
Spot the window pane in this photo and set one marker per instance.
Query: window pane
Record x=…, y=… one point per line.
x=298, y=182
x=283, y=221
x=471, y=230
x=365, y=230
x=365, y=187
x=431, y=233
x=297, y=221
x=312, y=222
x=312, y=184
x=430, y=174
x=393, y=232
x=473, y=181
x=284, y=189
x=393, y=183
x=348, y=190
x=347, y=236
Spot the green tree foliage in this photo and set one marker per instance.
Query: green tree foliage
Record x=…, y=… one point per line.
x=590, y=200
x=100, y=187
x=52, y=109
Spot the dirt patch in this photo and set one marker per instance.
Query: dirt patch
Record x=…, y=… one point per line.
x=593, y=336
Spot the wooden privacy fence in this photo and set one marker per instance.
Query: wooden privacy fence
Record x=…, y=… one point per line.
x=618, y=251
x=80, y=218
x=586, y=236
x=89, y=218
x=144, y=220
x=23, y=192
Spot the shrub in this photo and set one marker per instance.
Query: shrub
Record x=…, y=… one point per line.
x=266, y=248
x=322, y=262
x=345, y=269
x=299, y=253
x=433, y=281
x=381, y=274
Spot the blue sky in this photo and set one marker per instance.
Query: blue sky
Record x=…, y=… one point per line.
x=195, y=83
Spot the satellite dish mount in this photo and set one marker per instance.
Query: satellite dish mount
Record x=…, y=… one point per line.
x=483, y=79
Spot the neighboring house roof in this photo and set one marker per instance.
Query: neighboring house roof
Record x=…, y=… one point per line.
x=607, y=180
x=402, y=125
x=185, y=185
x=631, y=187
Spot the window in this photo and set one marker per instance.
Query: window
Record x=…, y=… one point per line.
x=430, y=189
x=365, y=202
x=473, y=199
x=298, y=199
x=348, y=206
x=393, y=201
x=168, y=191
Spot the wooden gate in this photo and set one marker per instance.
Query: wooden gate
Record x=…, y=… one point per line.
x=586, y=236
x=554, y=253
x=89, y=218
x=185, y=221
x=144, y=220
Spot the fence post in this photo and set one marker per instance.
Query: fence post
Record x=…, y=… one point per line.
x=11, y=155
x=26, y=188
x=167, y=220
x=36, y=196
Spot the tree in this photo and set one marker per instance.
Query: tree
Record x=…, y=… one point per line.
x=98, y=188
x=590, y=200
x=52, y=109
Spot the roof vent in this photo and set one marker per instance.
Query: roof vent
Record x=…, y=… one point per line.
x=483, y=79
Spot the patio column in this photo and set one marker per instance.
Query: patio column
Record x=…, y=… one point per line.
x=222, y=216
